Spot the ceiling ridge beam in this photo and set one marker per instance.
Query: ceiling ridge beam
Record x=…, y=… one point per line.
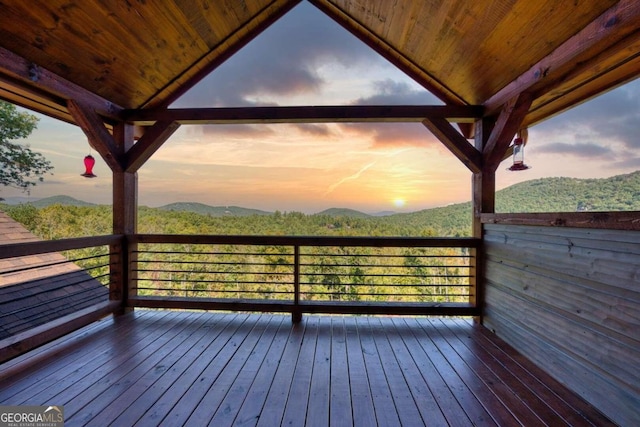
x=98, y=135
x=391, y=54
x=36, y=79
x=307, y=114
x=282, y=7
x=455, y=142
x=624, y=14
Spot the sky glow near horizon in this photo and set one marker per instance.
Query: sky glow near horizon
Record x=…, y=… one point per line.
x=307, y=59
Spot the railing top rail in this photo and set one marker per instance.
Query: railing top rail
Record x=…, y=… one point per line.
x=364, y=241
x=45, y=246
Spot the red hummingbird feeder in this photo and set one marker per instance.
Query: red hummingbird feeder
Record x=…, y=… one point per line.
x=89, y=162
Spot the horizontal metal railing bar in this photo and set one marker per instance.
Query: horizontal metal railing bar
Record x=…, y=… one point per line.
x=46, y=264
x=221, y=291
x=227, y=282
x=381, y=265
x=410, y=242
x=396, y=285
x=385, y=275
x=241, y=273
x=13, y=250
x=261, y=254
x=166, y=261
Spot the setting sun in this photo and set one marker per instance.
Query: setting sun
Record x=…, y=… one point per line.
x=399, y=202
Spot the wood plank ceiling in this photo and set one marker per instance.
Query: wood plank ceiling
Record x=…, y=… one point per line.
x=116, y=55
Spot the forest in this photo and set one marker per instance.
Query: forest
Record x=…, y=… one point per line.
x=326, y=273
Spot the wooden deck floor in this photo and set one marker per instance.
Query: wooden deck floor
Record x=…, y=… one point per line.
x=172, y=368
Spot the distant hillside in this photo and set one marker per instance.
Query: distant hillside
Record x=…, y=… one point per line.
x=59, y=200
x=618, y=193
x=351, y=213
x=215, y=211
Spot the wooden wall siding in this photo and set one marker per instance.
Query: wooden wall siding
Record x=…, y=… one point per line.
x=569, y=299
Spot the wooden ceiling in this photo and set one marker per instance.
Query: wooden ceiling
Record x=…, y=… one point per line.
x=117, y=55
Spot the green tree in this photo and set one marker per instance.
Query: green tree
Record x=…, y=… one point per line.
x=19, y=166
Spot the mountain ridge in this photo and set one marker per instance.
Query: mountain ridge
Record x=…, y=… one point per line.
x=555, y=194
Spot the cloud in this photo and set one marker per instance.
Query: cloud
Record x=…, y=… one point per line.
x=313, y=129
x=284, y=60
x=613, y=116
x=584, y=150
x=391, y=92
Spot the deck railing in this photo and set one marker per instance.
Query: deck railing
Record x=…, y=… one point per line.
x=304, y=274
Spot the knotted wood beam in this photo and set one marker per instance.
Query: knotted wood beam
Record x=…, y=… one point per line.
x=455, y=142
x=99, y=137
x=508, y=123
x=149, y=143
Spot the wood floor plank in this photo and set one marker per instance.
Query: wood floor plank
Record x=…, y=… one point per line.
x=221, y=332
x=39, y=384
x=296, y=407
x=417, y=385
x=174, y=368
x=254, y=403
x=403, y=399
x=175, y=406
x=517, y=386
x=79, y=351
x=276, y=400
x=341, y=411
x=575, y=412
x=319, y=393
x=361, y=401
x=229, y=407
x=145, y=393
x=463, y=386
x=93, y=400
x=386, y=413
x=452, y=411
x=498, y=383
x=221, y=384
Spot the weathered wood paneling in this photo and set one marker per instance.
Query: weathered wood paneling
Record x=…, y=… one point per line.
x=569, y=299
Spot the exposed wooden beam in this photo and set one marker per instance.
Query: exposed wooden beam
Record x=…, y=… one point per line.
x=390, y=53
x=99, y=137
x=38, y=80
x=317, y=114
x=149, y=143
x=455, y=142
x=620, y=19
x=214, y=58
x=508, y=123
x=584, y=81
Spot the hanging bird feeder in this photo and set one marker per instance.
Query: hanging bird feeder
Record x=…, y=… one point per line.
x=518, y=156
x=89, y=162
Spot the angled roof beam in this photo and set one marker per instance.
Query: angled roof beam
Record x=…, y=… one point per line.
x=317, y=114
x=149, y=143
x=99, y=137
x=388, y=52
x=508, y=123
x=455, y=142
x=31, y=78
x=620, y=19
x=217, y=55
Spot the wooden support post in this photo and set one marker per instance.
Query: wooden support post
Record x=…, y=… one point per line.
x=484, y=191
x=125, y=217
x=296, y=313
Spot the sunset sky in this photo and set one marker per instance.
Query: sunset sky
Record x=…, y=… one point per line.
x=307, y=59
